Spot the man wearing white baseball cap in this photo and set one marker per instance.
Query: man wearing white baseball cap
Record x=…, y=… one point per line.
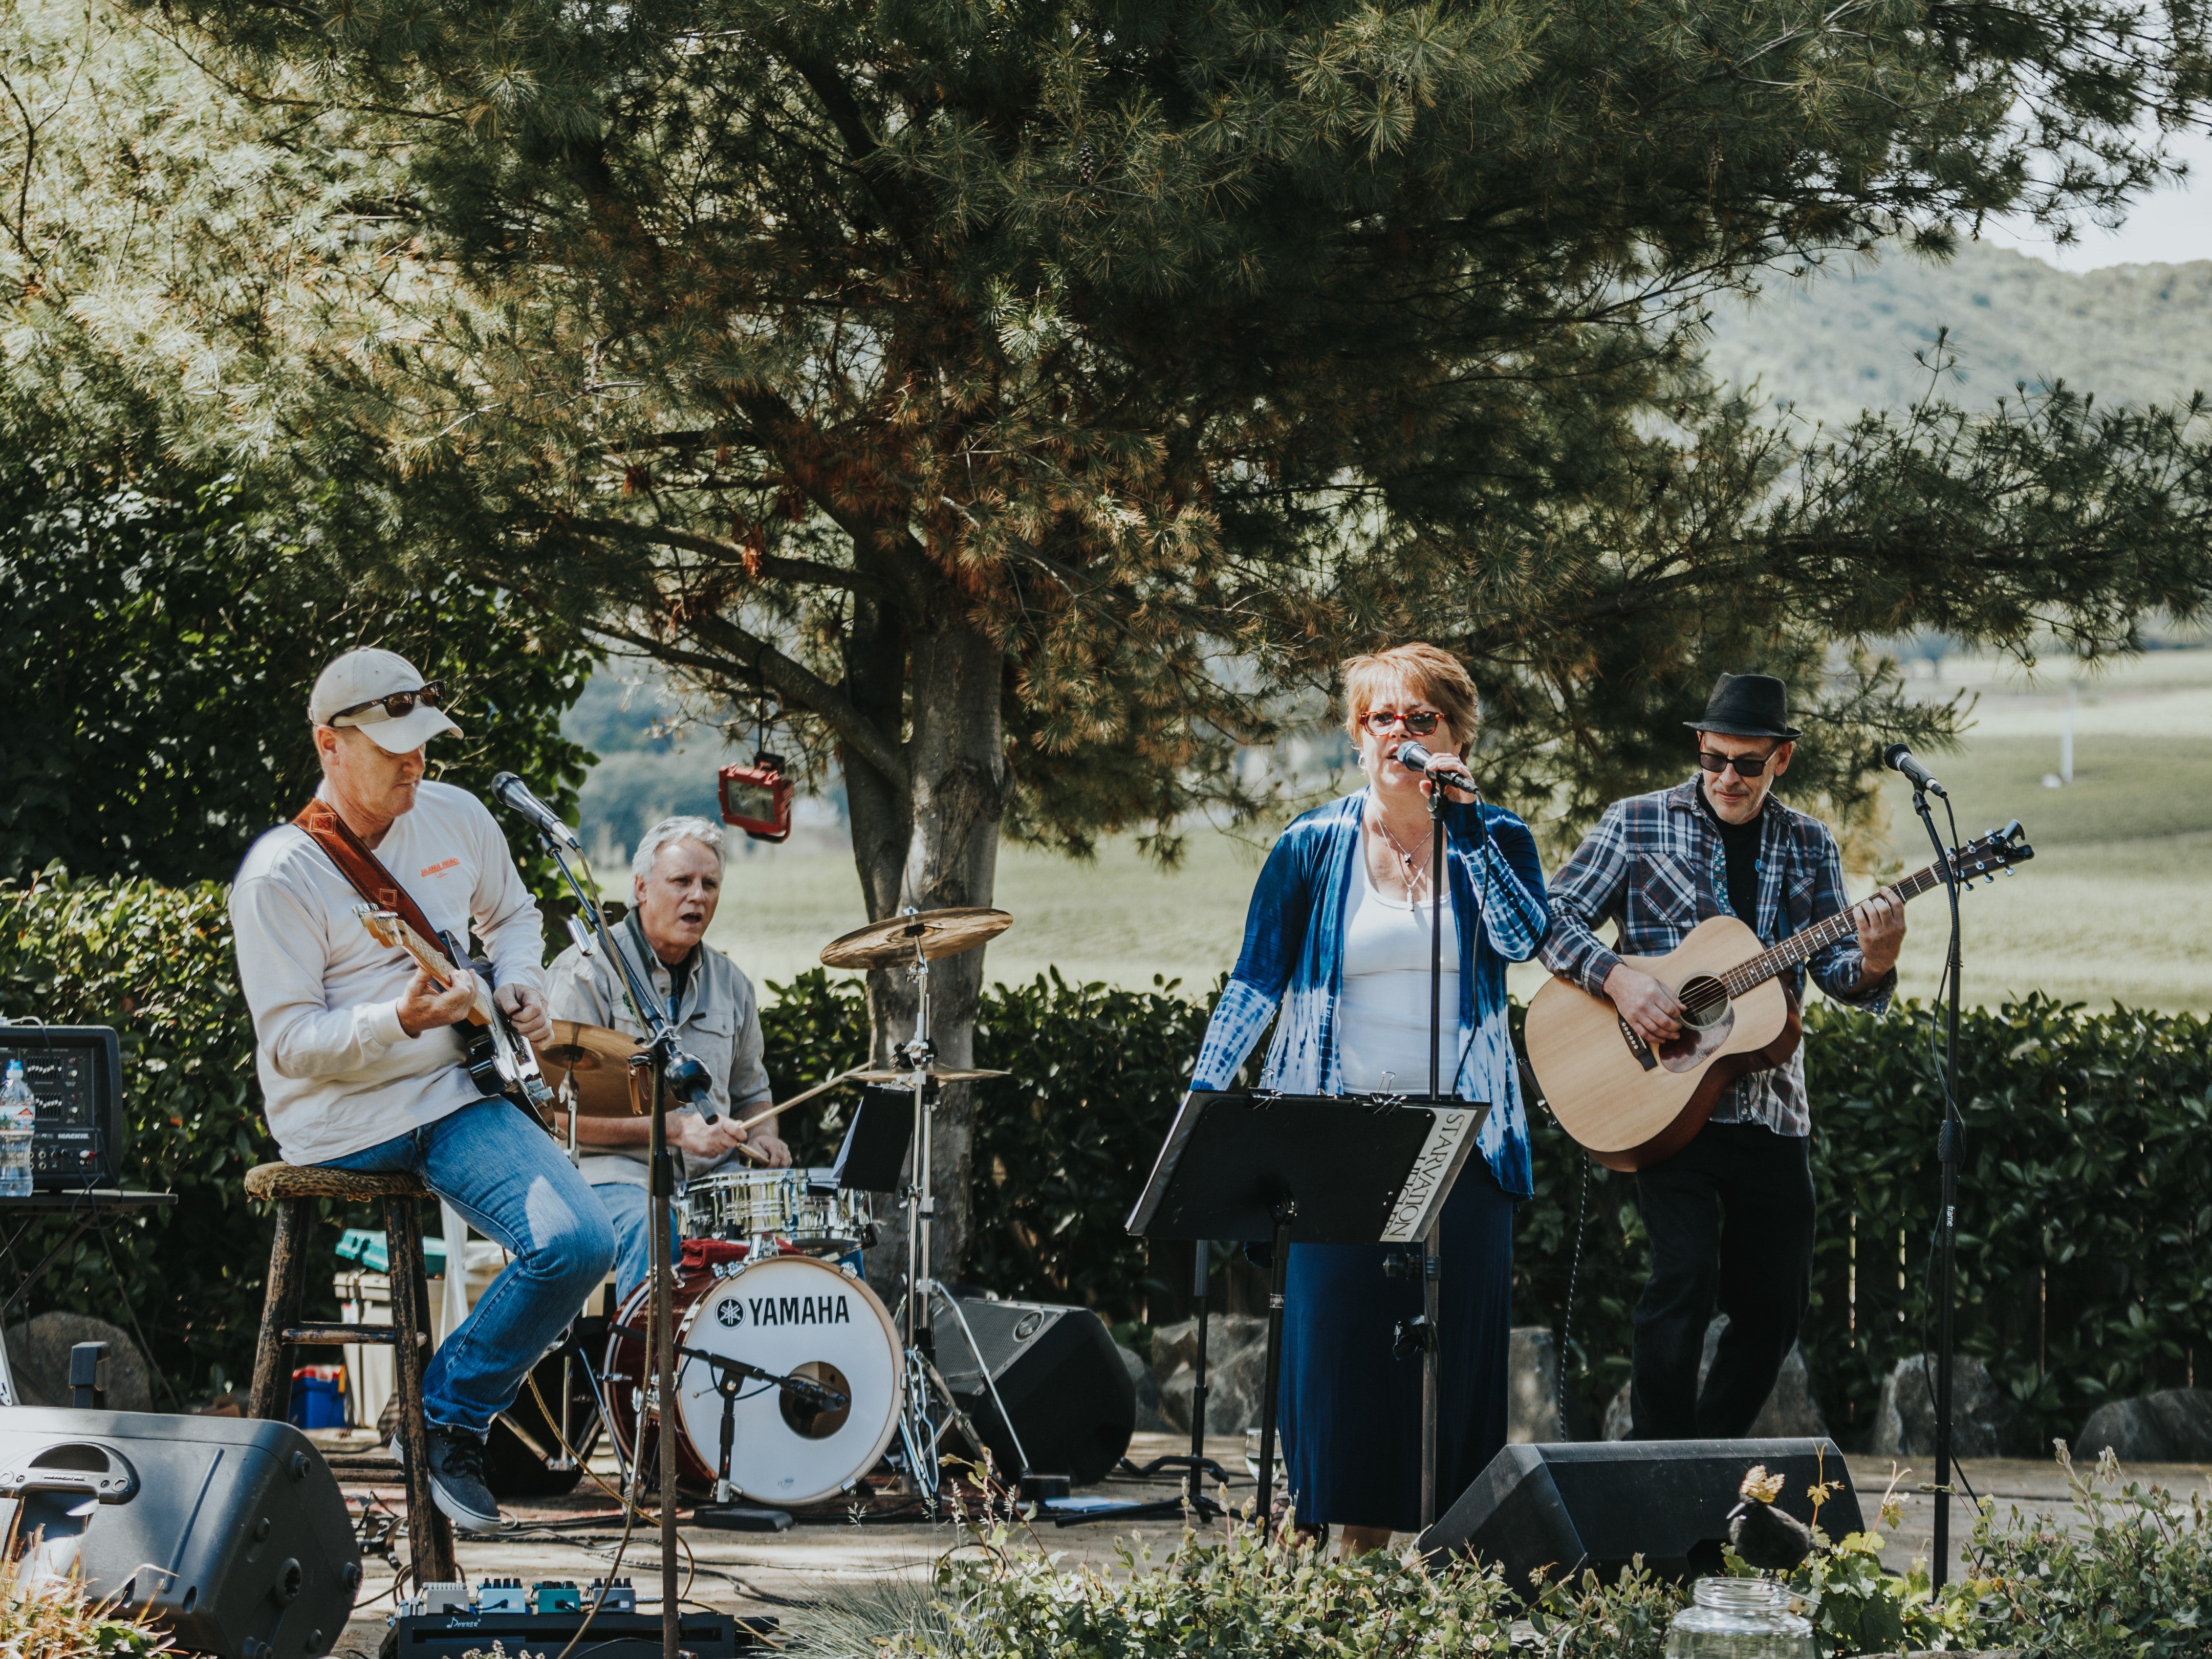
x=361, y=1067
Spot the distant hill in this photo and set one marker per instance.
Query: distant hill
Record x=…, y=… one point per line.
x=1845, y=340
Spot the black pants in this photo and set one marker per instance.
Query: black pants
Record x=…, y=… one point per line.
x=1730, y=1219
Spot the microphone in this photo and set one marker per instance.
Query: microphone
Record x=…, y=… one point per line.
x=1416, y=757
x=514, y=794
x=1899, y=758
x=687, y=1079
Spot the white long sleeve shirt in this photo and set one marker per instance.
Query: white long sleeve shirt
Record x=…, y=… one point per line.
x=338, y=1074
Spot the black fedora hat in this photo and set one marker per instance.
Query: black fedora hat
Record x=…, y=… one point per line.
x=1748, y=706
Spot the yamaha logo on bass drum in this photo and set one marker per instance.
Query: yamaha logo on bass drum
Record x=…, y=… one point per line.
x=832, y=1310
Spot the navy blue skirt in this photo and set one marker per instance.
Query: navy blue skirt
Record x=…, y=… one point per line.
x=1352, y=1410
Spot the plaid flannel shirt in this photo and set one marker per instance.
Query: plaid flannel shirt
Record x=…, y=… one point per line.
x=1656, y=865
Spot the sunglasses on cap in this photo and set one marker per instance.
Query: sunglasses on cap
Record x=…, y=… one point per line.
x=1420, y=723
x=397, y=707
x=1746, y=766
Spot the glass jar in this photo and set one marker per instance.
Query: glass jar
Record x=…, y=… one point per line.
x=1739, y=1619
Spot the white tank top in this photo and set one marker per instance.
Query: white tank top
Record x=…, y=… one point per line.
x=1383, y=1021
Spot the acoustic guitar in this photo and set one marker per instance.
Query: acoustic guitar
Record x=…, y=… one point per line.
x=1632, y=1105
x=499, y=1062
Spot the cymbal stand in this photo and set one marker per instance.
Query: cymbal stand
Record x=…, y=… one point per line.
x=921, y=1426
x=927, y=1410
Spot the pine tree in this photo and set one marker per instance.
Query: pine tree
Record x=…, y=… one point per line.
x=1033, y=402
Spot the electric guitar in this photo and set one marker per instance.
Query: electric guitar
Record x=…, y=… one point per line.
x=1632, y=1105
x=499, y=1062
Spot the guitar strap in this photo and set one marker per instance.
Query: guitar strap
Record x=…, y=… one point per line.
x=361, y=868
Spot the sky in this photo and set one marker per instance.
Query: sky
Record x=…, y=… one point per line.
x=2169, y=226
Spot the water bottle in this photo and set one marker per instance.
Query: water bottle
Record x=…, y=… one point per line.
x=19, y=1121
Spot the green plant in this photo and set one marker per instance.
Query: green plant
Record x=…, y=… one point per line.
x=1582, y=1617
x=2130, y=1579
x=1208, y=1598
x=51, y=1618
x=156, y=963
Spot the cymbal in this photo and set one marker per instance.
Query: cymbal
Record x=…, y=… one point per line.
x=890, y=944
x=598, y=1059
x=941, y=1073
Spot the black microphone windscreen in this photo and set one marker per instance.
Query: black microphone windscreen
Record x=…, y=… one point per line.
x=1894, y=753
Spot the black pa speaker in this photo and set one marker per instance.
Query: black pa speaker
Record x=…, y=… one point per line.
x=230, y=1533
x=1062, y=1379
x=1561, y=1508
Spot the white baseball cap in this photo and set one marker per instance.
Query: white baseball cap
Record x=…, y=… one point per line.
x=359, y=688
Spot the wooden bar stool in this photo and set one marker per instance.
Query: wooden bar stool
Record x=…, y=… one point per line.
x=294, y=1190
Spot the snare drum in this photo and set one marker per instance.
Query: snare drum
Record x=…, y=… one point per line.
x=742, y=1205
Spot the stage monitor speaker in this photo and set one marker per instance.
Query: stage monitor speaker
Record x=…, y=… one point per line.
x=229, y=1532
x=1562, y=1508
x=1061, y=1377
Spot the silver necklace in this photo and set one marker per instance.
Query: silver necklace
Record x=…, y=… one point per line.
x=1414, y=875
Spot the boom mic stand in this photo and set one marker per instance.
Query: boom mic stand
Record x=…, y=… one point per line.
x=1950, y=1140
x=1432, y=1259
x=671, y=1067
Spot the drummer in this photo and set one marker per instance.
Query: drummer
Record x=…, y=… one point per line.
x=676, y=881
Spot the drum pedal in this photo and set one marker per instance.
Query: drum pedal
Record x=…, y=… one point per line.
x=741, y=1518
x=1045, y=1488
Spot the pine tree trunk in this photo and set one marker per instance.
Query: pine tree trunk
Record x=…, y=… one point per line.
x=932, y=846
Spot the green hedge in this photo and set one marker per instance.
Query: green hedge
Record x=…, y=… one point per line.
x=155, y=963
x=2085, y=1204
x=1060, y=1144
x=2086, y=1195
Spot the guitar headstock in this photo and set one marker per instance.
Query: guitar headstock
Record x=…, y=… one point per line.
x=1982, y=858
x=384, y=925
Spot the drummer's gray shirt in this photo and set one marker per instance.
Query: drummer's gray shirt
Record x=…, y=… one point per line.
x=718, y=1023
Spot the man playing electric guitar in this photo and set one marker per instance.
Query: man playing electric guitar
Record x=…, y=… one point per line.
x=361, y=1066
x=1729, y=1215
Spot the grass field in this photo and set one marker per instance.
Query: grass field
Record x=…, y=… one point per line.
x=2117, y=905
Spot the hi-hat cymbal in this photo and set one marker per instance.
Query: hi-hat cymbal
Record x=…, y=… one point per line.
x=892, y=943
x=597, y=1059
x=942, y=1073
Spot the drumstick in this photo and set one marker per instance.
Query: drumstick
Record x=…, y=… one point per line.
x=747, y=1148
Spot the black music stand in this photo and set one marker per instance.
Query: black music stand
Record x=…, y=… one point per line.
x=873, y=1158
x=1302, y=1170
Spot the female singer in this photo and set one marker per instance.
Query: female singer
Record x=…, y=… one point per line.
x=1339, y=934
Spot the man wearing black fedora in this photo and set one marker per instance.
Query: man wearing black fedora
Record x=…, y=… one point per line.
x=1729, y=1215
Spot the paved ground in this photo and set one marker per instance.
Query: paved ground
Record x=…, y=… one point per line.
x=576, y=1537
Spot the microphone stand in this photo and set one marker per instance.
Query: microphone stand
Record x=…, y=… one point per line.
x=1431, y=1261
x=1950, y=1140
x=666, y=1060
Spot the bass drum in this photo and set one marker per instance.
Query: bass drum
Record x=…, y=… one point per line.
x=791, y=1315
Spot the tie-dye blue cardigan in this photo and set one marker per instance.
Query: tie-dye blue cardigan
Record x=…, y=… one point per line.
x=1293, y=955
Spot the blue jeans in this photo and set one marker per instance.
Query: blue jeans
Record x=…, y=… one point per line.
x=629, y=1210
x=506, y=1176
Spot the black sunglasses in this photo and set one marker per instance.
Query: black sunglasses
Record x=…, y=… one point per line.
x=398, y=705
x=1746, y=766
x=1420, y=724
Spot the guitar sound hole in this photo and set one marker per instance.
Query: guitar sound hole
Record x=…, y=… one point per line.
x=1708, y=1016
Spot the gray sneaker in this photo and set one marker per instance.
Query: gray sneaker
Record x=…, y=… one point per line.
x=457, y=1481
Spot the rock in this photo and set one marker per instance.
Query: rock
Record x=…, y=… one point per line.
x=1619, y=1420
x=39, y=1356
x=1904, y=1425
x=1236, y=1371
x=2172, y=1426
x=1532, y=1390
x=1149, y=1420
x=1790, y=1412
